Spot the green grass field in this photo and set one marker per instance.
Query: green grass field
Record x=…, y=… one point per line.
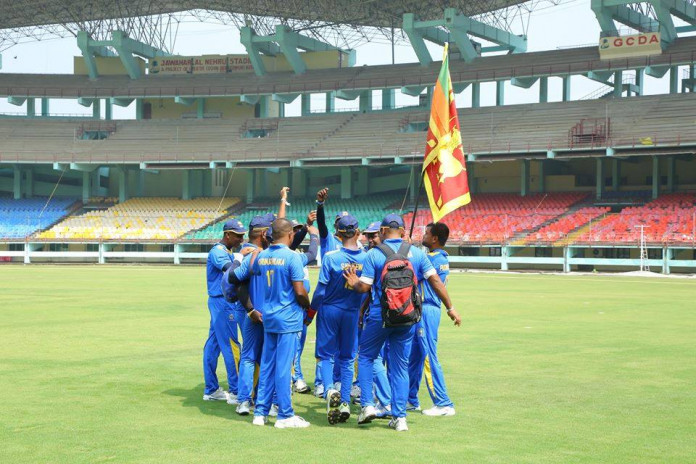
x=103, y=364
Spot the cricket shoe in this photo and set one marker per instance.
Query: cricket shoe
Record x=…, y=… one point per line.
x=273, y=412
x=344, y=409
x=355, y=392
x=294, y=422
x=412, y=407
x=260, y=421
x=398, y=424
x=383, y=411
x=232, y=398
x=319, y=391
x=436, y=411
x=301, y=386
x=333, y=401
x=367, y=415
x=217, y=395
x=243, y=408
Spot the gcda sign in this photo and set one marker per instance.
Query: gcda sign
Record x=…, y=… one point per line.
x=629, y=45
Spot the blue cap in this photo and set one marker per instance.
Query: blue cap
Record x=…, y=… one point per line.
x=393, y=221
x=235, y=226
x=341, y=214
x=259, y=222
x=347, y=223
x=372, y=228
x=295, y=223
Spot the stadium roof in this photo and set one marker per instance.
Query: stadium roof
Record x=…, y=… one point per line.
x=24, y=13
x=342, y=23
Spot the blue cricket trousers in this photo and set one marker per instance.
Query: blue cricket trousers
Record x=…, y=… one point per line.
x=400, y=340
x=337, y=338
x=222, y=338
x=252, y=346
x=424, y=360
x=274, y=375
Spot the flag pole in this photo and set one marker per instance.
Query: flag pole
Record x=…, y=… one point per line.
x=415, y=207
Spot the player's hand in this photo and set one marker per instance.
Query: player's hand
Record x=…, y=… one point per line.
x=256, y=317
x=322, y=194
x=284, y=193
x=351, y=277
x=455, y=317
x=312, y=230
x=247, y=250
x=311, y=217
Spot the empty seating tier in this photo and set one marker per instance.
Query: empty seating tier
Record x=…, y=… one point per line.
x=560, y=228
x=21, y=218
x=347, y=138
x=142, y=219
x=496, y=218
x=365, y=210
x=670, y=219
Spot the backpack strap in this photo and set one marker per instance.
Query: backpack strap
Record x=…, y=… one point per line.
x=386, y=249
x=404, y=249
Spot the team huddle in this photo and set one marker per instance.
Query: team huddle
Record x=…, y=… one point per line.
x=379, y=304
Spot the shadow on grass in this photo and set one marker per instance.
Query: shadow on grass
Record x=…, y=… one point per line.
x=193, y=398
x=307, y=406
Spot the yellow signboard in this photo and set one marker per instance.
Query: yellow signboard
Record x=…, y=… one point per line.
x=237, y=64
x=627, y=46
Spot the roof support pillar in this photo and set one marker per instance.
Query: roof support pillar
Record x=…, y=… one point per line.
x=457, y=27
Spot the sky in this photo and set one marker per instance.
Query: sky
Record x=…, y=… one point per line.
x=571, y=23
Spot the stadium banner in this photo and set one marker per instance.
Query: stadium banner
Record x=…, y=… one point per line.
x=630, y=45
x=238, y=64
x=206, y=64
x=444, y=168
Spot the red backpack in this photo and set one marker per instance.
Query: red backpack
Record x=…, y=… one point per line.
x=400, y=300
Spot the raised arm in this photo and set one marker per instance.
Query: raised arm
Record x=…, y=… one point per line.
x=283, y=201
x=313, y=248
x=322, y=195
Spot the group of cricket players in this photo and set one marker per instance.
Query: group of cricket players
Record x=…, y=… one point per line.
x=363, y=355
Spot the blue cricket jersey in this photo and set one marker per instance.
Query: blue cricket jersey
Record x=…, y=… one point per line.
x=374, y=263
x=244, y=272
x=277, y=268
x=218, y=257
x=337, y=293
x=438, y=259
x=330, y=243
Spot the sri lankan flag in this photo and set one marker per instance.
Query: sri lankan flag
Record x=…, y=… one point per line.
x=444, y=169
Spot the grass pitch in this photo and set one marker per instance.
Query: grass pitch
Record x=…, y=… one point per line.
x=103, y=364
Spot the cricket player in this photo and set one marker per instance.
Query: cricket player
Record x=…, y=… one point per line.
x=424, y=350
x=286, y=301
x=375, y=333
x=222, y=335
x=327, y=242
x=337, y=321
x=252, y=325
x=382, y=390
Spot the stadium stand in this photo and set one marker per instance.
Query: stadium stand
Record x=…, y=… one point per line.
x=560, y=228
x=496, y=218
x=670, y=219
x=364, y=209
x=21, y=218
x=142, y=219
x=642, y=122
